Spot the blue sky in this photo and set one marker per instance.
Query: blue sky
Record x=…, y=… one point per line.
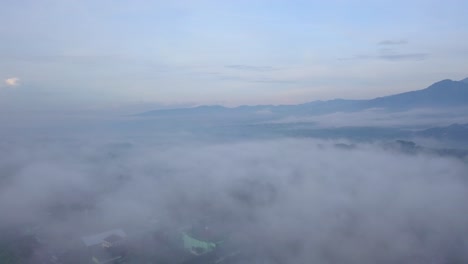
x=87, y=54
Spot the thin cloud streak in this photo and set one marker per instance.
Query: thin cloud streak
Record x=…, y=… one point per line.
x=391, y=57
x=392, y=42
x=404, y=57
x=250, y=67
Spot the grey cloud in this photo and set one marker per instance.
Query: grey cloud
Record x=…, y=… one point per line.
x=250, y=67
x=392, y=42
x=389, y=53
x=254, y=79
x=393, y=56
x=404, y=56
x=356, y=57
x=269, y=80
x=260, y=78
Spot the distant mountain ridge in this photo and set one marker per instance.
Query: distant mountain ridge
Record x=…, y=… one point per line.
x=445, y=93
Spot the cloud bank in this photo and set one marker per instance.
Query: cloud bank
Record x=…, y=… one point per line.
x=283, y=201
x=376, y=117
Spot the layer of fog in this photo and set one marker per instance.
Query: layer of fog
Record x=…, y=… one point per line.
x=415, y=118
x=283, y=201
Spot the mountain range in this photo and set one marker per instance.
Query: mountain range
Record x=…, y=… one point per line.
x=442, y=94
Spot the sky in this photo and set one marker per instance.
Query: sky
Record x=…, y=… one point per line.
x=83, y=55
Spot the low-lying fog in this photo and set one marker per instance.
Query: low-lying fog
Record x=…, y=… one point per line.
x=283, y=200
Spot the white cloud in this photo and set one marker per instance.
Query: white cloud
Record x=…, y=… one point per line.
x=13, y=81
x=296, y=200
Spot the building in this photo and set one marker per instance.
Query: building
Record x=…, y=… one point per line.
x=107, y=247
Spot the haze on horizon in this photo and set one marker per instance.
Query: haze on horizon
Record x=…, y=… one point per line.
x=87, y=55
